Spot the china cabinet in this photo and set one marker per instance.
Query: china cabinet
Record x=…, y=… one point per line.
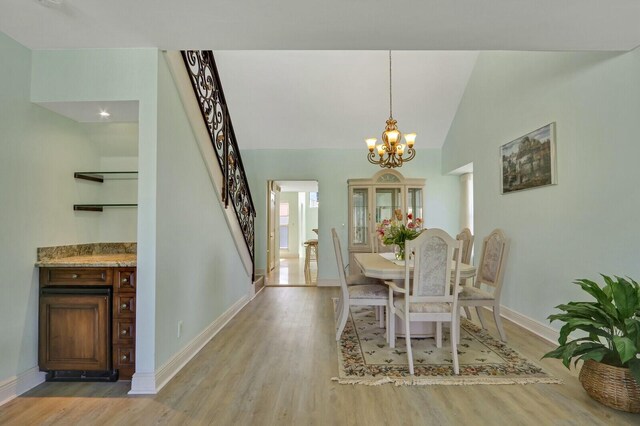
x=371, y=200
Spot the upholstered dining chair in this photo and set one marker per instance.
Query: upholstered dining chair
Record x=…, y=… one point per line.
x=467, y=245
x=432, y=295
x=488, y=283
x=356, y=290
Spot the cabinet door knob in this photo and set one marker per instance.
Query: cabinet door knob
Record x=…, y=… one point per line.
x=124, y=306
x=74, y=276
x=124, y=357
x=123, y=332
x=125, y=280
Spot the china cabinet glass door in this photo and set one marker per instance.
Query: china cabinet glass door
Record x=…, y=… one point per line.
x=387, y=200
x=360, y=216
x=414, y=202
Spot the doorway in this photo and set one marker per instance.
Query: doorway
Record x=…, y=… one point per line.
x=292, y=236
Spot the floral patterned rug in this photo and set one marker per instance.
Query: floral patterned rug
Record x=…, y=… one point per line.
x=365, y=357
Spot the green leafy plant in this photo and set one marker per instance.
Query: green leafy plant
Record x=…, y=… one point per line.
x=611, y=324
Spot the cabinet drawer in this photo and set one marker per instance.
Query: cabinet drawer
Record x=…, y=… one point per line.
x=76, y=276
x=125, y=281
x=124, y=331
x=123, y=356
x=124, y=305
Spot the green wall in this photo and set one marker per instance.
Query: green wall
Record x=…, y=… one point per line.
x=199, y=272
x=40, y=152
x=587, y=223
x=332, y=168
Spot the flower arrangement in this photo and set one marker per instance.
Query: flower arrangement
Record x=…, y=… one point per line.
x=394, y=231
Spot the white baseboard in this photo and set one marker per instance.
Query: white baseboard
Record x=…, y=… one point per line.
x=259, y=282
x=180, y=359
x=327, y=282
x=536, y=327
x=17, y=385
x=143, y=384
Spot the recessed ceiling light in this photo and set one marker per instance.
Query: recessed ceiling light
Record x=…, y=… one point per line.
x=104, y=114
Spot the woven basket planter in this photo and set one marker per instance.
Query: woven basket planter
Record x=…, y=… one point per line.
x=612, y=386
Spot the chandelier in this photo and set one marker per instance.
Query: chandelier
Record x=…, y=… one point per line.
x=391, y=152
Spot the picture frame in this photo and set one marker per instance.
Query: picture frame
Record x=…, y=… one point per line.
x=529, y=161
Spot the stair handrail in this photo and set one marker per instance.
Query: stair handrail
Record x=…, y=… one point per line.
x=207, y=87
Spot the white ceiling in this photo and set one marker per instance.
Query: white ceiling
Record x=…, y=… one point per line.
x=304, y=74
x=328, y=24
x=336, y=99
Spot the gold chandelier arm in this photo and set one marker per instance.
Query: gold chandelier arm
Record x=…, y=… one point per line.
x=372, y=159
x=410, y=154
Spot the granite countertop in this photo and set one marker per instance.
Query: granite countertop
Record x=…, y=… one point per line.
x=88, y=255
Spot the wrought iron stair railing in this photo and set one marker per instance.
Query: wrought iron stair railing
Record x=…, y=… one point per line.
x=207, y=88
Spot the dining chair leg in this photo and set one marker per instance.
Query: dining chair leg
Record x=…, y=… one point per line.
x=498, y=319
x=381, y=316
x=467, y=312
x=479, y=312
x=438, y=334
x=343, y=320
x=456, y=328
x=407, y=334
x=454, y=346
x=391, y=330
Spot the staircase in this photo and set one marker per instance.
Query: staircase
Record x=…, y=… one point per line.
x=231, y=182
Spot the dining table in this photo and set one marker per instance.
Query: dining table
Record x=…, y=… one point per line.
x=385, y=267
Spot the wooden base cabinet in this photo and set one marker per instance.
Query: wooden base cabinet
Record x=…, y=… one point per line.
x=74, y=332
x=87, y=322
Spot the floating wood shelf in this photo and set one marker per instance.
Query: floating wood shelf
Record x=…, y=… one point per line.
x=101, y=176
x=98, y=207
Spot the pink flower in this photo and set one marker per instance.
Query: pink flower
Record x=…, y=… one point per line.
x=409, y=216
x=411, y=225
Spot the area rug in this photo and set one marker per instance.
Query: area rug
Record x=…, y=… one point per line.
x=365, y=358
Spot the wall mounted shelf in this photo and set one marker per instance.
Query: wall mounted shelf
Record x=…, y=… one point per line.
x=98, y=207
x=101, y=177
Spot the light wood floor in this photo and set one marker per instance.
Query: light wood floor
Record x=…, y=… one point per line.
x=290, y=271
x=272, y=365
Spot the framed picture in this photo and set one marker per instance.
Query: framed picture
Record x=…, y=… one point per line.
x=529, y=161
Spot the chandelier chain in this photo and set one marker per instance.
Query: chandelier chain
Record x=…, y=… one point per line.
x=390, y=92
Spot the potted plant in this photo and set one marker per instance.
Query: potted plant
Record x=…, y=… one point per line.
x=608, y=341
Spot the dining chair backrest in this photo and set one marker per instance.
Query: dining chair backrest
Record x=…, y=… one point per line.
x=433, y=250
x=377, y=246
x=467, y=245
x=341, y=273
x=495, y=248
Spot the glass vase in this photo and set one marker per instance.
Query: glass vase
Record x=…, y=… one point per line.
x=399, y=251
